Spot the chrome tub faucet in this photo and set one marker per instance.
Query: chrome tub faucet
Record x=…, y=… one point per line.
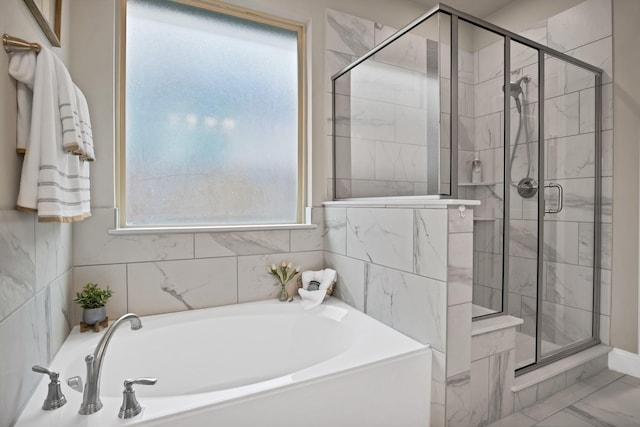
x=91, y=397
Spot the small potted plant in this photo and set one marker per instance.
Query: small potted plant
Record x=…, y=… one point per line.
x=92, y=299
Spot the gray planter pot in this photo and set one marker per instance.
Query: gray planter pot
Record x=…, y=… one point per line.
x=92, y=316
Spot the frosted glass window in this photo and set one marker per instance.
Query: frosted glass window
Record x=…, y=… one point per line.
x=211, y=118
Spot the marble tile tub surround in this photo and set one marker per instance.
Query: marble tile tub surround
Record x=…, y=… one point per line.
x=162, y=273
x=35, y=303
x=409, y=265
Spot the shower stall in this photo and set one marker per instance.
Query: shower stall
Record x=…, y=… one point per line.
x=414, y=115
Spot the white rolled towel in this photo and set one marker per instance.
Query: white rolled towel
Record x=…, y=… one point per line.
x=311, y=299
x=325, y=278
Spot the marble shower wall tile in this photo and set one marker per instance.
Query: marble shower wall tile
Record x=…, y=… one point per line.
x=92, y=243
x=563, y=325
x=212, y=245
x=489, y=344
x=376, y=81
x=400, y=162
x=254, y=283
x=571, y=157
x=430, y=242
x=411, y=304
x=562, y=116
x=112, y=275
x=350, y=282
x=348, y=34
x=17, y=260
x=355, y=158
x=569, y=284
x=168, y=286
x=410, y=51
x=580, y=25
x=382, y=236
x=411, y=126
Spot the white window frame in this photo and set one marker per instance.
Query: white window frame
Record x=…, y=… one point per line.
x=302, y=219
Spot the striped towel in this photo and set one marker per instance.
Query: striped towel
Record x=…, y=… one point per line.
x=22, y=67
x=54, y=182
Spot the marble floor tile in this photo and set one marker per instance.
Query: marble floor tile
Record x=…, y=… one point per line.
x=559, y=401
x=515, y=419
x=565, y=419
x=615, y=404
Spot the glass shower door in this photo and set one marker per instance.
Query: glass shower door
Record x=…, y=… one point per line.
x=570, y=210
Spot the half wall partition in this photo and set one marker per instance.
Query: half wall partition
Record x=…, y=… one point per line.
x=414, y=115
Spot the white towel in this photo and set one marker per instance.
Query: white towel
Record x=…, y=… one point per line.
x=88, y=153
x=67, y=104
x=53, y=183
x=311, y=299
x=325, y=278
x=22, y=67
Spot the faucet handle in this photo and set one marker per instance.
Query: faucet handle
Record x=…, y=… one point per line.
x=130, y=406
x=55, y=399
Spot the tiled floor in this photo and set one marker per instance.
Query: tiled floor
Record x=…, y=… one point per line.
x=607, y=399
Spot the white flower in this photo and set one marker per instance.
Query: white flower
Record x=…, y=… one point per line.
x=283, y=264
x=273, y=267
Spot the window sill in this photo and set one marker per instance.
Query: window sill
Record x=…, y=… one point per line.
x=209, y=229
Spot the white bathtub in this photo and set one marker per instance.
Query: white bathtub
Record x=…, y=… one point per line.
x=256, y=364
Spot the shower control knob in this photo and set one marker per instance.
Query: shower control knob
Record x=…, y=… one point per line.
x=130, y=406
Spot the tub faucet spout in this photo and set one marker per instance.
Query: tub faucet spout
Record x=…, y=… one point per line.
x=91, y=397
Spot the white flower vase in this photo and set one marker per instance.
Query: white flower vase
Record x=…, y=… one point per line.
x=283, y=293
x=91, y=316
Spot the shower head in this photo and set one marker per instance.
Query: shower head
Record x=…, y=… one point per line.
x=515, y=90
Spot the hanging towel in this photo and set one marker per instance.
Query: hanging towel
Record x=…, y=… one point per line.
x=88, y=153
x=54, y=183
x=22, y=67
x=68, y=106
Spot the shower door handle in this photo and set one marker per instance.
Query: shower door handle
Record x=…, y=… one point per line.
x=559, y=205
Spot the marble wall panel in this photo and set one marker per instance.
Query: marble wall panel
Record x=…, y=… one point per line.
x=561, y=241
x=210, y=245
x=368, y=119
x=169, y=286
x=350, y=284
x=376, y=81
x=61, y=310
x=409, y=51
x=459, y=400
x=400, y=162
x=410, y=125
x=309, y=240
x=28, y=347
x=92, y=243
x=562, y=116
x=580, y=25
x=382, y=236
x=460, y=268
x=335, y=230
x=348, y=34
x=17, y=260
x=501, y=368
x=479, y=393
x=488, y=132
x=569, y=285
x=430, y=243
x=413, y=305
x=458, y=339
x=562, y=325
